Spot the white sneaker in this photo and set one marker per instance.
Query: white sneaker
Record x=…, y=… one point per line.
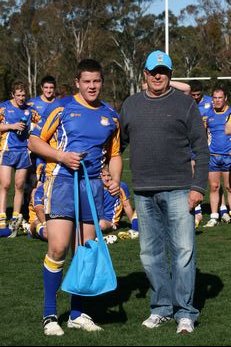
x=211, y=223
x=51, y=326
x=225, y=218
x=15, y=224
x=155, y=320
x=185, y=326
x=83, y=322
x=134, y=234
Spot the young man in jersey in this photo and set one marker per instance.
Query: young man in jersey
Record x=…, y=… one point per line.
x=220, y=158
x=204, y=103
x=86, y=125
x=15, y=123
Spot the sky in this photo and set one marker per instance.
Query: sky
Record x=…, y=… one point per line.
x=175, y=6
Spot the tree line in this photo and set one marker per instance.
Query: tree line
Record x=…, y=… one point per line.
x=40, y=37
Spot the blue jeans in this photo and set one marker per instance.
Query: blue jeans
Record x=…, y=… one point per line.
x=167, y=251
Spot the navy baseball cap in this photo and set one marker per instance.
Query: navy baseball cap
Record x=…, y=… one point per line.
x=156, y=59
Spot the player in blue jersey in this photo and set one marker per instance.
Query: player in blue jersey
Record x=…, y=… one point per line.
x=86, y=128
x=204, y=103
x=115, y=206
x=45, y=103
x=41, y=102
x=220, y=155
x=16, y=118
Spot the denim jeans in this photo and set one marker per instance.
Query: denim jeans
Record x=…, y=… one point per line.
x=167, y=251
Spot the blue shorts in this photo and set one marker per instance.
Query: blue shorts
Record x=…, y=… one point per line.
x=219, y=163
x=59, y=198
x=16, y=159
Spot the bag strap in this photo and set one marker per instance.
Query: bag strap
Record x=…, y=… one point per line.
x=91, y=202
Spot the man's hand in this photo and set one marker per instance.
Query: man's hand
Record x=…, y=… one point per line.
x=70, y=159
x=114, y=187
x=194, y=199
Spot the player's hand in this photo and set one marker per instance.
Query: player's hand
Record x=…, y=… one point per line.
x=70, y=159
x=194, y=199
x=114, y=187
x=18, y=126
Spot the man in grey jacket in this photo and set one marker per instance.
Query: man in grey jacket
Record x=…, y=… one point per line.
x=162, y=126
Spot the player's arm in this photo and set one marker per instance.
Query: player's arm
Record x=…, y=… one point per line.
x=39, y=210
x=228, y=126
x=40, y=145
x=184, y=87
x=128, y=209
x=115, y=161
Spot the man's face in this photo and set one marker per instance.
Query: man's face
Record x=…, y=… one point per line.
x=219, y=100
x=197, y=95
x=89, y=85
x=48, y=90
x=19, y=97
x=158, y=80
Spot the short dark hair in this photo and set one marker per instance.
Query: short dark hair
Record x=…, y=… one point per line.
x=48, y=79
x=90, y=65
x=195, y=85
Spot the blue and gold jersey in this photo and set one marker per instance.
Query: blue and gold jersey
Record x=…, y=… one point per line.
x=218, y=141
x=10, y=114
x=40, y=104
x=80, y=128
x=205, y=105
x=113, y=205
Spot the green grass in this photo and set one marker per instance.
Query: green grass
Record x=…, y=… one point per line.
x=120, y=313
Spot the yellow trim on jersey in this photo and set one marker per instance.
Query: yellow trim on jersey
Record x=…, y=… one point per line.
x=81, y=101
x=48, y=185
x=51, y=125
x=113, y=145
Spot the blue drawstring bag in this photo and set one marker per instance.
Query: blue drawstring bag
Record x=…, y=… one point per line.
x=91, y=270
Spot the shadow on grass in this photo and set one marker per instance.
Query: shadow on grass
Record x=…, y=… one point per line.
x=108, y=308
x=207, y=286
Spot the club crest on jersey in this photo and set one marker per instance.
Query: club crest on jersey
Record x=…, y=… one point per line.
x=26, y=112
x=104, y=121
x=75, y=114
x=207, y=105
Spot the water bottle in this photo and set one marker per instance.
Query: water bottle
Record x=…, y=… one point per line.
x=24, y=121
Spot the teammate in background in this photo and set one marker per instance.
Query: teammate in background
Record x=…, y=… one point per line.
x=86, y=125
x=115, y=206
x=16, y=118
x=220, y=158
x=47, y=96
x=204, y=103
x=64, y=94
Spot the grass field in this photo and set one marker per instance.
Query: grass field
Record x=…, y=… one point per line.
x=120, y=313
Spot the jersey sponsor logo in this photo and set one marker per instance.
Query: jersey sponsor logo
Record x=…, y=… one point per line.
x=207, y=105
x=75, y=114
x=104, y=121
